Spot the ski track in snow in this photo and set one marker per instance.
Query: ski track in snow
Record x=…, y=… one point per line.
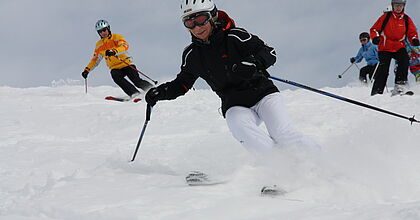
x=64, y=155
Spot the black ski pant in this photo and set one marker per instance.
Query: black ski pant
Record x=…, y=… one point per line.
x=365, y=71
x=118, y=75
x=382, y=73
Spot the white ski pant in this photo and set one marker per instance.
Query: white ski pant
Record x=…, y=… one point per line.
x=244, y=123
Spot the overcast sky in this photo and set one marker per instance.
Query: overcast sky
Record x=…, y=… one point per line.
x=47, y=40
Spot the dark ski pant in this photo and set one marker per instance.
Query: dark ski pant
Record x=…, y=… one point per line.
x=118, y=75
x=382, y=73
x=365, y=71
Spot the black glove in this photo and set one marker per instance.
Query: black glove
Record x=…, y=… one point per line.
x=154, y=95
x=376, y=40
x=109, y=53
x=247, y=68
x=415, y=42
x=352, y=60
x=85, y=74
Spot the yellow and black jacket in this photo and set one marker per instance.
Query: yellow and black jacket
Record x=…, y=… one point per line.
x=114, y=42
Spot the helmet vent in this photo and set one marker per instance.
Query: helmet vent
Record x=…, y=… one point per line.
x=189, y=7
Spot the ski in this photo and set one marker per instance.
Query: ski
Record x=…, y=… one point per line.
x=198, y=178
x=120, y=99
x=408, y=93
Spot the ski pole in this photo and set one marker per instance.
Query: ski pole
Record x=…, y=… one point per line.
x=154, y=81
x=357, y=66
x=148, y=113
x=373, y=76
x=344, y=99
x=86, y=85
x=341, y=75
x=374, y=73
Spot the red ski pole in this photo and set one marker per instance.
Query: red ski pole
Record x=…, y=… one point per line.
x=154, y=81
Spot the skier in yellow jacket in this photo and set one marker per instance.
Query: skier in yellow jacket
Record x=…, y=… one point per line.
x=114, y=48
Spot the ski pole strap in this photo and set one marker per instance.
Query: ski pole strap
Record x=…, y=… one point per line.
x=343, y=99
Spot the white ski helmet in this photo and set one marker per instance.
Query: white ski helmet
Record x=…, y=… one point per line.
x=189, y=7
x=102, y=24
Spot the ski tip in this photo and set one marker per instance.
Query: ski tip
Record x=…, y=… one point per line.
x=409, y=93
x=136, y=100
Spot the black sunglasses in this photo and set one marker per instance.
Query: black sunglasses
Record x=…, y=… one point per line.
x=102, y=30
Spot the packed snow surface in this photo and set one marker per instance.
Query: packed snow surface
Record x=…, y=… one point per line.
x=65, y=155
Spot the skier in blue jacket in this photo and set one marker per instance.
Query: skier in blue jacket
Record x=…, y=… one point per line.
x=368, y=51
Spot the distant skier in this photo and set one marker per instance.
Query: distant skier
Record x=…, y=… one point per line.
x=114, y=48
x=233, y=62
x=389, y=33
x=369, y=52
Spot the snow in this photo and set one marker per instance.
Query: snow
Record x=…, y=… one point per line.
x=64, y=155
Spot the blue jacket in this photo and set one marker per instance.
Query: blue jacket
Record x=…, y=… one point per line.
x=370, y=52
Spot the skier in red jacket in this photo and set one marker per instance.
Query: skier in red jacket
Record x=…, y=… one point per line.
x=389, y=33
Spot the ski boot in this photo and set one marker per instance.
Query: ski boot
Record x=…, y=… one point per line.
x=399, y=89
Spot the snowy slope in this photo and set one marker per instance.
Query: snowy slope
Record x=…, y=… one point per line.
x=64, y=155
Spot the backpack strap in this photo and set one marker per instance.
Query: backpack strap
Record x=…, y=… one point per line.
x=388, y=15
x=406, y=25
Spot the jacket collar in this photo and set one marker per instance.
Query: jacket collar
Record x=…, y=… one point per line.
x=107, y=38
x=396, y=15
x=215, y=37
x=367, y=45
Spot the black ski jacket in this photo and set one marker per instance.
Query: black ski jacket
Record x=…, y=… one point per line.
x=213, y=60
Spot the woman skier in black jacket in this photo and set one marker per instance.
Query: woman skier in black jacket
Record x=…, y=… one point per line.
x=233, y=62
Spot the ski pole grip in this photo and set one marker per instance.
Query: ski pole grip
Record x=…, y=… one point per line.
x=148, y=112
